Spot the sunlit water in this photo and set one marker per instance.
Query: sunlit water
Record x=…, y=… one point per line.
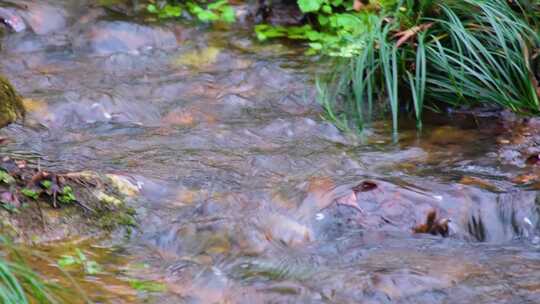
x=240, y=177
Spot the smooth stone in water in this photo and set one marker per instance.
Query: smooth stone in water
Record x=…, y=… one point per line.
x=124, y=37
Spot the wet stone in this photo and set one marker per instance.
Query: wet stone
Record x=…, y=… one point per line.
x=107, y=37
x=44, y=18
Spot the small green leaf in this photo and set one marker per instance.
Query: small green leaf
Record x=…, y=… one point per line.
x=92, y=267
x=316, y=46
x=323, y=20
x=148, y=286
x=47, y=184
x=206, y=16
x=327, y=9
x=217, y=4
x=261, y=36
x=30, y=193
x=172, y=11
x=67, y=196
x=309, y=6
x=6, y=178
x=313, y=35
x=151, y=8
x=80, y=254
x=67, y=260
x=228, y=15
x=195, y=9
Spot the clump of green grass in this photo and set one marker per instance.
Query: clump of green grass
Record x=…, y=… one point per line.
x=464, y=53
x=20, y=284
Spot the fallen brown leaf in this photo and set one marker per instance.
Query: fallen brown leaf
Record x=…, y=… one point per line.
x=407, y=34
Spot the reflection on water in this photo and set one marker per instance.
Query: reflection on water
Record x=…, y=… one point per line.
x=247, y=195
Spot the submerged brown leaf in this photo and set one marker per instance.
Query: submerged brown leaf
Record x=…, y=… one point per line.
x=364, y=186
x=433, y=225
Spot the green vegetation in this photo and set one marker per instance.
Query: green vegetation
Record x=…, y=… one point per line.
x=464, y=53
x=147, y=286
x=420, y=53
x=6, y=178
x=410, y=54
x=67, y=196
x=332, y=30
x=20, y=284
x=205, y=11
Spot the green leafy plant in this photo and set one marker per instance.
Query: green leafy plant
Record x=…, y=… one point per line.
x=167, y=11
x=47, y=184
x=20, y=284
x=464, y=53
x=331, y=31
x=67, y=196
x=203, y=10
x=30, y=193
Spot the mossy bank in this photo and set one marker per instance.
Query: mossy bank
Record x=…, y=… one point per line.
x=38, y=205
x=11, y=106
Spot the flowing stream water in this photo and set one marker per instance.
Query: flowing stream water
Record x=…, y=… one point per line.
x=246, y=194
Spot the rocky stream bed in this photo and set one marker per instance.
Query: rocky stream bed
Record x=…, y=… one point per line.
x=227, y=186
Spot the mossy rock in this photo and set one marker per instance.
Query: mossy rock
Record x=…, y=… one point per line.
x=97, y=205
x=11, y=106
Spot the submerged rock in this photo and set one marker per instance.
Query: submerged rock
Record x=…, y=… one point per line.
x=124, y=37
x=11, y=106
x=12, y=19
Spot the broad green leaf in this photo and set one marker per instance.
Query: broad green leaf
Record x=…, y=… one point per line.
x=172, y=10
x=207, y=16
x=323, y=20
x=327, y=9
x=316, y=46
x=217, y=4
x=227, y=14
x=47, y=184
x=309, y=6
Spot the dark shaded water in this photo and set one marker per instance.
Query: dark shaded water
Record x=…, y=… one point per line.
x=246, y=195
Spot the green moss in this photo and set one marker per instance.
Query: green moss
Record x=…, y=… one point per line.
x=11, y=106
x=123, y=217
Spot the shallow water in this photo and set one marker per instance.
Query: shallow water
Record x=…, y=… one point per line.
x=247, y=195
